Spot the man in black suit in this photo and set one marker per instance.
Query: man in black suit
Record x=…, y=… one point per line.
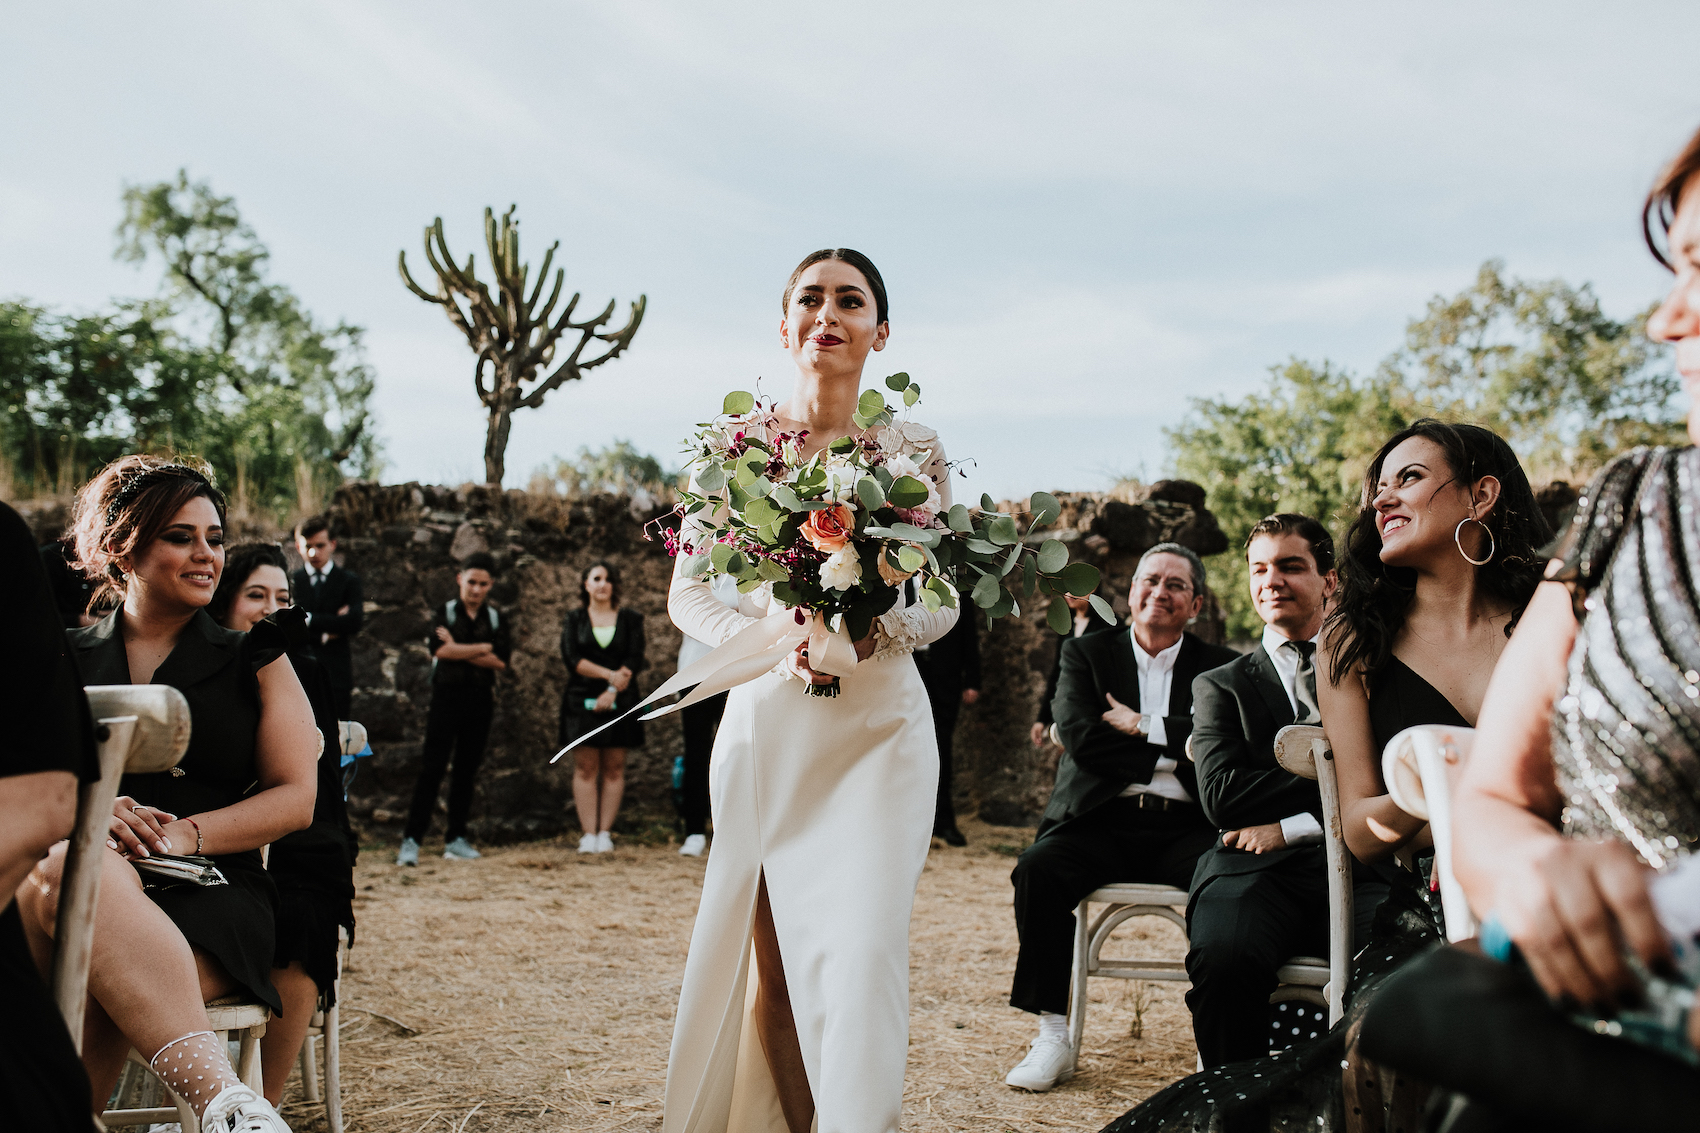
x=1261, y=893
x=331, y=596
x=950, y=668
x=1125, y=804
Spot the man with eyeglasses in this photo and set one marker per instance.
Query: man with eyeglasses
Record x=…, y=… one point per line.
x=1125, y=806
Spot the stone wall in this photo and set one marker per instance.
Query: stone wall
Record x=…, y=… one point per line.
x=406, y=540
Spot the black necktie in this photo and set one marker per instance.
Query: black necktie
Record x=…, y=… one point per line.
x=1304, y=683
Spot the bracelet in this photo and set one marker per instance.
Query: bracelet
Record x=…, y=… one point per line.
x=200, y=840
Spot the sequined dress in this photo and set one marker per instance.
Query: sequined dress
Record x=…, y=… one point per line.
x=1626, y=731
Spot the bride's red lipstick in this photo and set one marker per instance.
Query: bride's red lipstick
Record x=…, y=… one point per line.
x=826, y=340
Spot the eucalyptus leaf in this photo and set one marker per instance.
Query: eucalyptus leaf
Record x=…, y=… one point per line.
x=786, y=498
x=1004, y=606
x=1059, y=617
x=1045, y=508
x=1053, y=556
x=745, y=585
x=843, y=444
x=868, y=490
x=987, y=504
x=1102, y=609
x=930, y=600
x=959, y=520
x=711, y=478
x=737, y=564
x=1080, y=578
x=762, y=512
x=720, y=554
x=907, y=491
x=1003, y=531
x=910, y=559
x=942, y=589
x=898, y=382
x=738, y=403
x=696, y=566
x=771, y=571
x=871, y=403
x=1013, y=558
x=981, y=547
x=761, y=487
x=911, y=395
x=1029, y=573
x=987, y=591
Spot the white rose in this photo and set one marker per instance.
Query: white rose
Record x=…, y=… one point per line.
x=917, y=434
x=841, y=482
x=842, y=569
x=902, y=466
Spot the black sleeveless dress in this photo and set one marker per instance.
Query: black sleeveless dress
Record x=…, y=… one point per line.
x=1300, y=1087
x=216, y=671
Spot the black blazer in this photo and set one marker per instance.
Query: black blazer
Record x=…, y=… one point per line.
x=1094, y=624
x=625, y=649
x=1236, y=712
x=952, y=663
x=1100, y=762
x=341, y=588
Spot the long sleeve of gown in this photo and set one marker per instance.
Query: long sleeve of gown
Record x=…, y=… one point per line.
x=692, y=604
x=905, y=627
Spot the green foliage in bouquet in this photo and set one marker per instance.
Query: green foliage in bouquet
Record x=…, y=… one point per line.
x=839, y=533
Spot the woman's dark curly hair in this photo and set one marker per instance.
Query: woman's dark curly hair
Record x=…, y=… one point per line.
x=240, y=563
x=125, y=507
x=1370, y=610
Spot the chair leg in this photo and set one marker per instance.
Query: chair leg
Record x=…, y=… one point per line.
x=1077, y=983
x=309, y=1071
x=333, y=1071
x=248, y=1059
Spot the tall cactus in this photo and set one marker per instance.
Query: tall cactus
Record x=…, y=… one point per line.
x=511, y=335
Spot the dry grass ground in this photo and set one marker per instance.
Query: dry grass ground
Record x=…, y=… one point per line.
x=535, y=990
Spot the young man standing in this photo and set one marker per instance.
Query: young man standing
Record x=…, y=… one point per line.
x=469, y=645
x=331, y=596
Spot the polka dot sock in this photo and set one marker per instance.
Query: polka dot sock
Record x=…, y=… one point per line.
x=196, y=1067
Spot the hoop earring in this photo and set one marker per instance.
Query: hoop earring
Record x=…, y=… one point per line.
x=1458, y=531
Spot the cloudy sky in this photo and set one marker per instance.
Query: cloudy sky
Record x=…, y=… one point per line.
x=1086, y=213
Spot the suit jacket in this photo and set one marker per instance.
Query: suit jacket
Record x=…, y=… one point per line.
x=1236, y=712
x=340, y=588
x=1100, y=762
x=1094, y=624
x=952, y=663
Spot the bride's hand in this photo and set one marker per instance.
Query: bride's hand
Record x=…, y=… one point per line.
x=797, y=664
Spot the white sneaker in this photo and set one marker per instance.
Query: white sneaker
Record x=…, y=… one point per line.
x=694, y=845
x=237, y=1109
x=460, y=850
x=1049, y=1061
x=408, y=854
x=587, y=844
x=604, y=842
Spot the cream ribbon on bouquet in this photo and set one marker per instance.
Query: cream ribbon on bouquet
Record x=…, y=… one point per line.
x=755, y=650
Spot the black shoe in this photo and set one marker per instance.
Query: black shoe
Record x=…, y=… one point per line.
x=951, y=835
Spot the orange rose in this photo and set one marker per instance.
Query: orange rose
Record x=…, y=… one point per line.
x=829, y=528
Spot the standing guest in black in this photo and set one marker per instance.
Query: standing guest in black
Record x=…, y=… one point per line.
x=49, y=747
x=153, y=530
x=312, y=868
x=1125, y=807
x=334, y=603
x=950, y=670
x=602, y=646
x=469, y=645
x=1260, y=895
x=699, y=722
x=72, y=591
x=1082, y=622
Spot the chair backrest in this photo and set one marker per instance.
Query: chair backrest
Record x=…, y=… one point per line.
x=353, y=736
x=1303, y=750
x=140, y=729
x=1421, y=767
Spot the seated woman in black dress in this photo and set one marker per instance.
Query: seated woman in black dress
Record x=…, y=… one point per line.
x=153, y=530
x=1582, y=782
x=313, y=868
x=602, y=645
x=1438, y=567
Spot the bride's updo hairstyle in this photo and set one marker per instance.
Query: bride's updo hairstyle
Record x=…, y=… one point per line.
x=127, y=505
x=845, y=255
x=1367, y=615
x=1660, y=209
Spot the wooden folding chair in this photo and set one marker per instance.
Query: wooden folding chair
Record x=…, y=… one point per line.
x=1303, y=750
x=1421, y=767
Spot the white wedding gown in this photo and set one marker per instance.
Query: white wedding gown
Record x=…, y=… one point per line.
x=832, y=799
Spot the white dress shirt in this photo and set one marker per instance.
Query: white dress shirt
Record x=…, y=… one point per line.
x=314, y=578
x=1156, y=676
x=1303, y=827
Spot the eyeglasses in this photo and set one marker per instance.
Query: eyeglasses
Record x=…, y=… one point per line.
x=1172, y=585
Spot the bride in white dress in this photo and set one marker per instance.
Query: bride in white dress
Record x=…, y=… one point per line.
x=794, y=1012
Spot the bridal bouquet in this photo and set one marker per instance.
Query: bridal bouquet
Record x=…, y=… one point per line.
x=837, y=534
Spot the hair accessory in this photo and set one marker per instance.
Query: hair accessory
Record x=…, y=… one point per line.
x=135, y=485
x=1457, y=533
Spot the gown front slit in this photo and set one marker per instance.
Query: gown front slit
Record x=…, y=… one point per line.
x=831, y=799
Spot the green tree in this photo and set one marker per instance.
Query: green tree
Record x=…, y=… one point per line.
x=1538, y=362
x=289, y=416
x=619, y=468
